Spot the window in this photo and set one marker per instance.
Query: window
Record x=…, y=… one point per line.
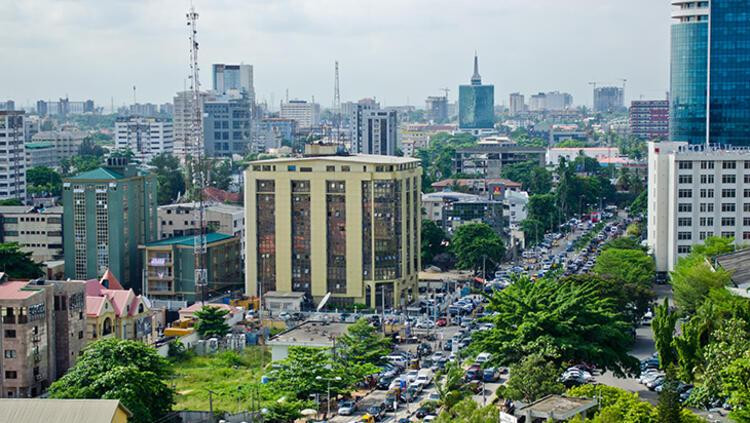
x=685, y=165
x=684, y=221
x=705, y=164
x=707, y=193
x=330, y=168
x=291, y=168
x=707, y=207
x=728, y=207
x=685, y=179
x=728, y=193
x=747, y=164
x=746, y=193
x=746, y=235
x=305, y=169
x=80, y=334
x=727, y=234
x=11, y=374
x=727, y=221
x=685, y=193
x=10, y=354
x=684, y=236
x=683, y=249
x=706, y=221
x=728, y=164
x=10, y=333
x=728, y=179
x=747, y=179
x=685, y=207
x=746, y=207
x=707, y=179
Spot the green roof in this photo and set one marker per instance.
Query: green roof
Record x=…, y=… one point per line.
x=38, y=145
x=189, y=240
x=100, y=173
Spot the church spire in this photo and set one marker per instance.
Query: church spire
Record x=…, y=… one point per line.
x=476, y=79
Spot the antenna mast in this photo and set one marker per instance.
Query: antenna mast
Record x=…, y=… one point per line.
x=196, y=151
x=337, y=104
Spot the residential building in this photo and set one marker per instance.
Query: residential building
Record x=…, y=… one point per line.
x=64, y=107
x=436, y=108
x=234, y=79
x=649, y=119
x=32, y=125
x=515, y=205
x=41, y=154
x=436, y=205
x=376, y=132
x=476, y=109
x=551, y=101
x=497, y=187
x=67, y=142
x=113, y=311
x=695, y=192
x=487, y=159
x=64, y=410
x=108, y=212
x=171, y=267
x=33, y=312
x=146, y=137
x=271, y=133
x=571, y=153
x=36, y=230
x=166, y=109
x=326, y=223
x=8, y=105
x=226, y=125
x=184, y=122
x=517, y=104
x=143, y=110
x=306, y=114
x=609, y=99
x=12, y=156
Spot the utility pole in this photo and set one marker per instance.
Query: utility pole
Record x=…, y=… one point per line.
x=211, y=404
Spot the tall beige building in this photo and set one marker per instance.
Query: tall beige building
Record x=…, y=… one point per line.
x=345, y=225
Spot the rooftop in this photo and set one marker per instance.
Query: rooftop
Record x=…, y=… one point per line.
x=60, y=410
x=30, y=209
x=354, y=158
x=38, y=145
x=738, y=265
x=189, y=240
x=311, y=334
x=16, y=290
x=99, y=173
x=471, y=182
x=556, y=407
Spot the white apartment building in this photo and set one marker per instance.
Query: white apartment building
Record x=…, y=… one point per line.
x=36, y=230
x=695, y=192
x=183, y=120
x=146, y=137
x=375, y=131
x=66, y=142
x=179, y=220
x=306, y=114
x=12, y=156
x=517, y=104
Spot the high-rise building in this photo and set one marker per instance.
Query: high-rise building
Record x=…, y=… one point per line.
x=273, y=133
x=517, y=104
x=36, y=230
x=67, y=142
x=183, y=120
x=608, y=99
x=476, y=104
x=8, y=105
x=345, y=225
x=375, y=131
x=64, y=107
x=437, y=109
x=12, y=156
x=226, y=125
x=306, y=114
x=146, y=137
x=709, y=72
x=649, y=119
x=551, y=101
x=695, y=192
x=108, y=213
x=234, y=79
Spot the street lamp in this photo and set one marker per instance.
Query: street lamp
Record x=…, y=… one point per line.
x=328, y=379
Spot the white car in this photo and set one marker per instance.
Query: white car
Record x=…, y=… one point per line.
x=483, y=358
x=430, y=418
x=434, y=396
x=418, y=386
x=412, y=376
x=425, y=324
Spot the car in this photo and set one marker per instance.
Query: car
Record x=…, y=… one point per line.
x=442, y=321
x=437, y=355
x=653, y=383
x=417, y=385
x=376, y=411
x=347, y=408
x=448, y=345
x=425, y=410
x=285, y=315
x=404, y=420
x=648, y=375
x=434, y=396
x=490, y=375
x=424, y=349
x=411, y=376
x=425, y=324
x=429, y=418
x=384, y=383
x=483, y=358
x=474, y=372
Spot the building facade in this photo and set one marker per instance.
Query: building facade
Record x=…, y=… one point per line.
x=649, y=119
x=36, y=230
x=488, y=159
x=345, y=225
x=437, y=109
x=146, y=137
x=376, y=132
x=226, y=125
x=517, y=104
x=271, y=133
x=108, y=212
x=229, y=79
x=306, y=114
x=476, y=104
x=551, y=101
x=695, y=192
x=184, y=120
x=41, y=154
x=113, y=311
x=67, y=143
x=12, y=156
x=609, y=99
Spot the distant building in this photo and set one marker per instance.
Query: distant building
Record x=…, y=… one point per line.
x=649, y=119
x=108, y=212
x=482, y=210
x=436, y=205
x=146, y=137
x=376, y=132
x=476, y=105
x=551, y=101
x=306, y=114
x=274, y=133
x=166, y=109
x=515, y=205
x=183, y=121
x=226, y=125
x=608, y=99
x=234, y=79
x=64, y=107
x=113, y=311
x=67, y=143
x=8, y=105
x=12, y=156
x=497, y=187
x=41, y=154
x=571, y=153
x=487, y=160
x=436, y=109
x=517, y=104
x=171, y=268
x=36, y=230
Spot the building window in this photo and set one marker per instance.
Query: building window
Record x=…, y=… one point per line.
x=707, y=207
x=728, y=164
x=727, y=221
x=728, y=207
x=704, y=235
x=685, y=207
x=747, y=178
x=685, y=179
x=685, y=193
x=685, y=165
x=345, y=168
x=684, y=236
x=728, y=179
x=683, y=249
x=728, y=193
x=707, y=179
x=707, y=193
x=706, y=221
x=727, y=234
x=10, y=333
x=746, y=235
x=684, y=221
x=330, y=168
x=10, y=354
x=706, y=164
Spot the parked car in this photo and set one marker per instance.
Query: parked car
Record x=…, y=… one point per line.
x=442, y=322
x=490, y=375
x=483, y=358
x=376, y=411
x=473, y=373
x=347, y=408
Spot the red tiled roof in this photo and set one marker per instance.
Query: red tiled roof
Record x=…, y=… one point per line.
x=110, y=277
x=220, y=196
x=94, y=305
x=13, y=290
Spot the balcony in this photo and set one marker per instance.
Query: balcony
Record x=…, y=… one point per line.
x=157, y=275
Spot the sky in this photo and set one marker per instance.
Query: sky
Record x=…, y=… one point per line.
x=398, y=51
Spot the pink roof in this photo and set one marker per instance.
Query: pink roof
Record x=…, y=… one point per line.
x=13, y=290
x=112, y=279
x=94, y=305
x=120, y=298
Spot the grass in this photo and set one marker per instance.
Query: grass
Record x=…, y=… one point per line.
x=228, y=374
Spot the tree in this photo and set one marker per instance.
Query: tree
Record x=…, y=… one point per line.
x=18, y=264
x=468, y=411
x=475, y=245
x=432, y=241
x=221, y=174
x=533, y=378
x=736, y=387
x=362, y=343
x=640, y=204
x=168, y=177
x=211, y=322
x=624, y=243
x=664, y=326
x=90, y=148
x=43, y=180
x=566, y=320
x=533, y=231
x=129, y=371
x=693, y=278
x=533, y=178
x=11, y=202
x=634, y=270
x=668, y=409
x=542, y=208
x=714, y=246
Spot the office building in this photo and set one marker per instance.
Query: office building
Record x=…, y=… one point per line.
x=226, y=125
x=517, y=104
x=709, y=72
x=695, y=192
x=41, y=154
x=345, y=225
x=551, y=101
x=184, y=120
x=609, y=99
x=64, y=107
x=146, y=137
x=37, y=230
x=143, y=110
x=171, y=268
x=234, y=80
x=12, y=156
x=271, y=133
x=476, y=105
x=42, y=333
x=8, y=105
x=487, y=159
x=67, y=142
x=306, y=114
x=436, y=108
x=375, y=131
x=108, y=212
x=115, y=312
x=649, y=119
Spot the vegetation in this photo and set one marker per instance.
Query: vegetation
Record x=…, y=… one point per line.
x=211, y=322
x=129, y=371
x=475, y=245
x=18, y=264
x=633, y=270
x=433, y=239
x=468, y=411
x=437, y=158
x=169, y=178
x=664, y=327
x=362, y=343
x=11, y=202
x=44, y=181
x=533, y=378
x=694, y=277
x=533, y=178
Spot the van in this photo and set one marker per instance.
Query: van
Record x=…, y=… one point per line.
x=483, y=358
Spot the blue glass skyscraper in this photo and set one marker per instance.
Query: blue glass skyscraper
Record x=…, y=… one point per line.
x=476, y=104
x=710, y=72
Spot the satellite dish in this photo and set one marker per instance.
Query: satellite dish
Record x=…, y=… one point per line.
x=324, y=301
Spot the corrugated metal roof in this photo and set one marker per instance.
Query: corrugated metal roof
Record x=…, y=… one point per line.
x=737, y=264
x=59, y=410
x=189, y=240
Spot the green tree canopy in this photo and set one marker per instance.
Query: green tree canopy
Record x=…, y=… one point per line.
x=664, y=326
x=533, y=378
x=129, y=371
x=468, y=411
x=432, y=241
x=534, y=178
x=43, y=180
x=634, y=270
x=475, y=243
x=692, y=279
x=362, y=343
x=18, y=264
x=169, y=177
x=211, y=322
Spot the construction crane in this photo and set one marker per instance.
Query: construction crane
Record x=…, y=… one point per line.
x=196, y=148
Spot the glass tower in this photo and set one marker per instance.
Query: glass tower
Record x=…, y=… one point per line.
x=476, y=103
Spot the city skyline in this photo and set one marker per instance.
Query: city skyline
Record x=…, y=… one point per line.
x=101, y=52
